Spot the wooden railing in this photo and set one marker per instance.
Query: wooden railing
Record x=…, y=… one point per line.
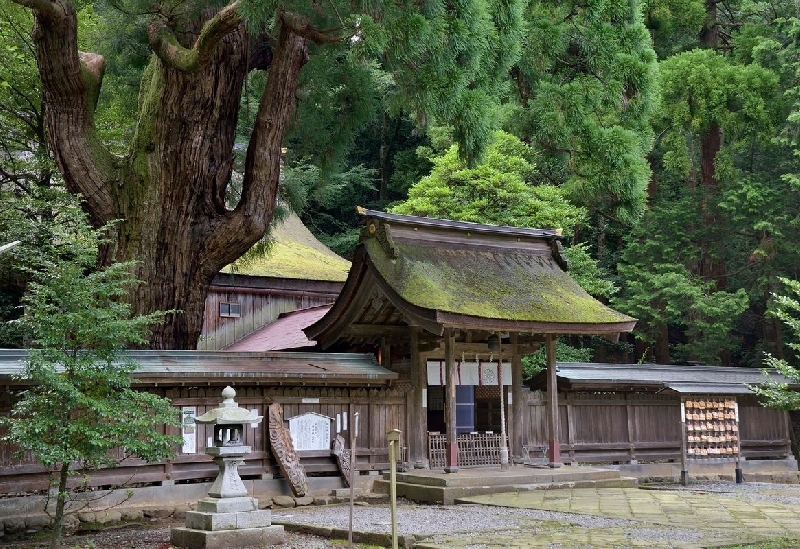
x=474, y=449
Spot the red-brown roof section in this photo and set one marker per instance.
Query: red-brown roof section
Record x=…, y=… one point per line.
x=283, y=334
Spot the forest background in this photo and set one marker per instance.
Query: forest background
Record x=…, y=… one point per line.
x=662, y=137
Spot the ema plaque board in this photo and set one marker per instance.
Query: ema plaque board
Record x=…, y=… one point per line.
x=310, y=432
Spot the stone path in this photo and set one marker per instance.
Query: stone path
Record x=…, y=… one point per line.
x=664, y=519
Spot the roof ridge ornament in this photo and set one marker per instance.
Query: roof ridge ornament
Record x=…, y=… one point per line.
x=381, y=231
x=559, y=255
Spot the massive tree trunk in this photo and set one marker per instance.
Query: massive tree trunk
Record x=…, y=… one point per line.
x=169, y=193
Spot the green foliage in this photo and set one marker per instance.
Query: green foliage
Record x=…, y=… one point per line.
x=333, y=218
x=537, y=362
x=660, y=290
x=777, y=394
x=442, y=62
x=340, y=96
x=587, y=87
x=723, y=220
x=24, y=159
x=701, y=89
x=79, y=406
x=674, y=24
x=500, y=190
x=40, y=217
x=587, y=272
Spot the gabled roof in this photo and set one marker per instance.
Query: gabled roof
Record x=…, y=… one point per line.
x=173, y=368
x=438, y=273
x=295, y=253
x=282, y=334
x=576, y=376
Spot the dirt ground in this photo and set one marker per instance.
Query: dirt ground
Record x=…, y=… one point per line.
x=146, y=534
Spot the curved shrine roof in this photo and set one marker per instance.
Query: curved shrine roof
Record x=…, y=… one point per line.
x=440, y=273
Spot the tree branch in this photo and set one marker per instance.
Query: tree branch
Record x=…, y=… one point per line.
x=94, y=67
x=166, y=46
x=252, y=215
x=70, y=88
x=45, y=8
x=301, y=26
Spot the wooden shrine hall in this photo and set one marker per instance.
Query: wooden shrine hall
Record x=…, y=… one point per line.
x=452, y=307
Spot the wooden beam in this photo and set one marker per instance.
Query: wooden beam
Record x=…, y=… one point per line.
x=450, y=401
x=552, y=403
x=417, y=407
x=516, y=419
x=480, y=349
x=376, y=330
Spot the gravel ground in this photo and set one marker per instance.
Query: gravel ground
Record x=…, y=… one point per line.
x=463, y=521
x=426, y=520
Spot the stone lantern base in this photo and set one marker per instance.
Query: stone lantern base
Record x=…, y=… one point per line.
x=222, y=523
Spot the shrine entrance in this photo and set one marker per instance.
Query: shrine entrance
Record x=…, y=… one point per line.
x=479, y=419
x=442, y=303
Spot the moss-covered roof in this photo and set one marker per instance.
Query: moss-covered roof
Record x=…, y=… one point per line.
x=296, y=253
x=438, y=273
x=492, y=283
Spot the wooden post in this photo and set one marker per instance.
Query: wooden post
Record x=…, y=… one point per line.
x=503, y=439
x=554, y=446
x=394, y=447
x=417, y=406
x=353, y=442
x=516, y=420
x=631, y=431
x=450, y=401
x=738, y=473
x=684, y=471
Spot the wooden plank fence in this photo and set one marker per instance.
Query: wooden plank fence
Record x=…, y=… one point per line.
x=595, y=428
x=642, y=427
x=380, y=410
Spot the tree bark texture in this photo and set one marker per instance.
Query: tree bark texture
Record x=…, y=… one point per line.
x=61, y=504
x=169, y=192
x=710, y=267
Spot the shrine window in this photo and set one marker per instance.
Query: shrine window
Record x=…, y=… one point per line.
x=230, y=309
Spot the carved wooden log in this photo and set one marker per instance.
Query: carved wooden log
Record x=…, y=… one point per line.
x=342, y=458
x=283, y=450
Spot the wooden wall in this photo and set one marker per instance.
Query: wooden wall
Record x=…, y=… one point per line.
x=257, y=310
x=621, y=427
x=380, y=410
x=606, y=427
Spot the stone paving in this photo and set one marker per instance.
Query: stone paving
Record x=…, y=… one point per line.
x=664, y=519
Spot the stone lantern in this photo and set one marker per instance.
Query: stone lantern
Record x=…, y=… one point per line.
x=228, y=517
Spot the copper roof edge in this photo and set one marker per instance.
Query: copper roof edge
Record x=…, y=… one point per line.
x=458, y=225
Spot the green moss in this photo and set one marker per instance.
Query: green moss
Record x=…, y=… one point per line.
x=288, y=260
x=505, y=285
x=295, y=253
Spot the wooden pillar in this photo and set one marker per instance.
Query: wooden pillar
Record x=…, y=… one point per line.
x=631, y=430
x=417, y=406
x=386, y=353
x=517, y=409
x=554, y=446
x=450, y=401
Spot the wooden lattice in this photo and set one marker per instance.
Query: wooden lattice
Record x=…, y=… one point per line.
x=473, y=449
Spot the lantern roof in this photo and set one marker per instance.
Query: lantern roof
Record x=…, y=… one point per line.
x=229, y=412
